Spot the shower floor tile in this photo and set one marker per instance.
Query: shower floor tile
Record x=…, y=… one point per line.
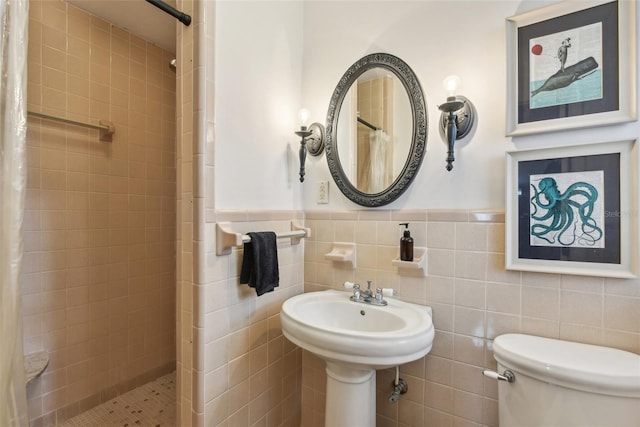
x=153, y=405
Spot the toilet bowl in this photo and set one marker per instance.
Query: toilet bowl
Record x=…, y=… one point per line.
x=549, y=382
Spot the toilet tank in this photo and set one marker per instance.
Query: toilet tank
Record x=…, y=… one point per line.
x=561, y=383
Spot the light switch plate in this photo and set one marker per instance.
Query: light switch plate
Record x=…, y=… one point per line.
x=322, y=192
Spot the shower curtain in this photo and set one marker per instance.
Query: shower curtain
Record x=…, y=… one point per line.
x=379, y=150
x=14, y=15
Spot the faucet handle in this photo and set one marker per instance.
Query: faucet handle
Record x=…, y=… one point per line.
x=350, y=285
x=379, y=298
x=356, y=292
x=388, y=292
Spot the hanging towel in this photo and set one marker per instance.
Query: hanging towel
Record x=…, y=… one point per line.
x=260, y=262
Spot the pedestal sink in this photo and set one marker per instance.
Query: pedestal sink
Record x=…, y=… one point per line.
x=355, y=339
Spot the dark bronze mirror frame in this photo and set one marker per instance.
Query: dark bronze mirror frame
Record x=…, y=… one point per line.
x=419, y=135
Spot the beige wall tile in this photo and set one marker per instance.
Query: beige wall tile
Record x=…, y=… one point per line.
x=581, y=308
x=439, y=369
x=496, y=271
x=541, y=303
x=470, y=293
x=474, y=299
x=503, y=298
x=441, y=262
x=469, y=321
x=438, y=396
x=622, y=313
x=498, y=324
x=582, y=283
x=471, y=265
x=496, y=238
x=471, y=236
x=441, y=235
x=581, y=333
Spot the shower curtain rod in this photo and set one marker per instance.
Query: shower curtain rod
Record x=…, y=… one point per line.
x=180, y=16
x=367, y=124
x=107, y=129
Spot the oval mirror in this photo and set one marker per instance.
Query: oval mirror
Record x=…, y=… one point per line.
x=376, y=130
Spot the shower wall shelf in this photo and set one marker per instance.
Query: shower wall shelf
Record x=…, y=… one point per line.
x=226, y=239
x=344, y=252
x=418, y=265
x=35, y=364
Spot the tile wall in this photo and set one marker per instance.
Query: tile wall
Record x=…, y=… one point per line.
x=184, y=201
x=251, y=372
x=99, y=260
x=473, y=299
x=234, y=366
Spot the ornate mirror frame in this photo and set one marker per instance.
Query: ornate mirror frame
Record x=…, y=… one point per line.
x=419, y=135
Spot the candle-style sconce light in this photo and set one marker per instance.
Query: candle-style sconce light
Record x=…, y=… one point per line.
x=311, y=139
x=457, y=118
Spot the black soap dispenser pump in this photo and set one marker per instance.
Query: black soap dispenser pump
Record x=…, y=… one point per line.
x=406, y=244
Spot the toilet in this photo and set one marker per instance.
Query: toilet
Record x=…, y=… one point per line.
x=548, y=382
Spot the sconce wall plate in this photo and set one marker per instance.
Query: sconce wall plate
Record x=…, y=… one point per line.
x=315, y=141
x=456, y=121
x=465, y=118
x=311, y=141
x=303, y=133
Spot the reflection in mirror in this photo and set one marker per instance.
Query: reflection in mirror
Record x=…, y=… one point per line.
x=376, y=130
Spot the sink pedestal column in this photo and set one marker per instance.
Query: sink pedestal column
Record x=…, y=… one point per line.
x=351, y=396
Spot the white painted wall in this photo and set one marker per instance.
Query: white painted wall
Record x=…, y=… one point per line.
x=436, y=38
x=273, y=57
x=258, y=65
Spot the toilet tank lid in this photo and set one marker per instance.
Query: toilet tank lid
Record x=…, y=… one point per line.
x=580, y=366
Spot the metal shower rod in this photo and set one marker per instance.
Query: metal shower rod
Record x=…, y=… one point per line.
x=180, y=16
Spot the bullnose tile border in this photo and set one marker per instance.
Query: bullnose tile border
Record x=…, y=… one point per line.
x=433, y=215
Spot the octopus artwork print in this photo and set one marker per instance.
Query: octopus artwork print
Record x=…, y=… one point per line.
x=573, y=209
x=567, y=210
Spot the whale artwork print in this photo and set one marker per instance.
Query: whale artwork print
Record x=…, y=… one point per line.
x=566, y=67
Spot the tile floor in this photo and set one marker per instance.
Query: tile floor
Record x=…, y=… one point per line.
x=153, y=404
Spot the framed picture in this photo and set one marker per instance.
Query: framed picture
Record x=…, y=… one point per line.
x=574, y=210
x=570, y=65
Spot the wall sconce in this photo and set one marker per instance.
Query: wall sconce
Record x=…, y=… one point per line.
x=457, y=118
x=311, y=139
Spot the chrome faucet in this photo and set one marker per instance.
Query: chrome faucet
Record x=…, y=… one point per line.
x=367, y=296
x=367, y=293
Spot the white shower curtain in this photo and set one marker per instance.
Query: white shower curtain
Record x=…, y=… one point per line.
x=379, y=147
x=14, y=17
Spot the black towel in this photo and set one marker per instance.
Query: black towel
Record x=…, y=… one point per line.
x=260, y=262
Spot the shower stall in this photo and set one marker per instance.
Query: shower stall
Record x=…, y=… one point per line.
x=98, y=282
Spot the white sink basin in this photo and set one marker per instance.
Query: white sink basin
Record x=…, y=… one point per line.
x=337, y=329
x=355, y=339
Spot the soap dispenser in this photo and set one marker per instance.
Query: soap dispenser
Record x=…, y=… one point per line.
x=406, y=244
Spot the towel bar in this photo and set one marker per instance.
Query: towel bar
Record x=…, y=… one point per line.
x=299, y=233
x=227, y=239
x=107, y=129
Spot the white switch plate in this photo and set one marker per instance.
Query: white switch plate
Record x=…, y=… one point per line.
x=322, y=192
